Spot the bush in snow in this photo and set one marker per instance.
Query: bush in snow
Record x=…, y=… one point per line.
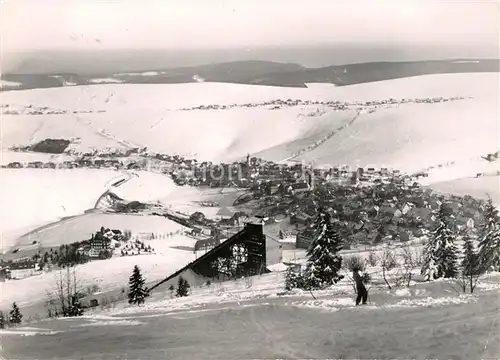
x=171, y=288
x=411, y=259
x=324, y=261
x=354, y=263
x=440, y=252
x=388, y=260
x=92, y=289
x=137, y=291
x=372, y=258
x=295, y=280
x=489, y=241
x=127, y=235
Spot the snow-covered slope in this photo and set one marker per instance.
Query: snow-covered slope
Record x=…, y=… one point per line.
x=4, y=84
x=150, y=115
x=414, y=136
x=21, y=130
x=176, y=96
x=407, y=136
x=34, y=197
x=108, y=274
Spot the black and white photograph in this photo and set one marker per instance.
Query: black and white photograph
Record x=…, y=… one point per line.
x=249, y=179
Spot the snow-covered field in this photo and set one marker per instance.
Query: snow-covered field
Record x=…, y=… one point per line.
x=82, y=227
x=420, y=136
x=481, y=187
x=414, y=137
x=106, y=81
x=177, y=96
x=137, y=113
x=108, y=274
x=35, y=197
x=410, y=136
x=7, y=157
x=254, y=316
x=21, y=130
x=111, y=274
x=8, y=84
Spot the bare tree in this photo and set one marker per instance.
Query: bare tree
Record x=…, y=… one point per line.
x=411, y=259
x=388, y=262
x=372, y=258
x=66, y=300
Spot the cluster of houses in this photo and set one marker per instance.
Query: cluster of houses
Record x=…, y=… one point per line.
x=102, y=240
x=67, y=164
x=136, y=247
x=10, y=109
x=385, y=212
x=336, y=105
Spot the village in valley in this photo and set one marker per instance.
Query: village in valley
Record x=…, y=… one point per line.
x=371, y=206
x=249, y=180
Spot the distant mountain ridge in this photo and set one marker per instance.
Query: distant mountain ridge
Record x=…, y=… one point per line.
x=260, y=73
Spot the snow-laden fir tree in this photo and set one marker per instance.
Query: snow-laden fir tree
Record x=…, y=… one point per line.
x=489, y=239
x=324, y=261
x=137, y=291
x=440, y=252
x=15, y=316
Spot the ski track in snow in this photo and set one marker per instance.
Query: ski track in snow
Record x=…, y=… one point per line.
x=103, y=134
x=322, y=140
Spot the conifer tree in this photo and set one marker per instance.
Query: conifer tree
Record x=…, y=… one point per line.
x=182, y=287
x=15, y=316
x=2, y=320
x=469, y=267
x=489, y=239
x=440, y=252
x=324, y=261
x=137, y=291
x=469, y=262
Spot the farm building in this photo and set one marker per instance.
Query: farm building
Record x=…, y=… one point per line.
x=20, y=270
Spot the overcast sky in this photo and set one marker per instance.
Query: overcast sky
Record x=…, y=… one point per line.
x=93, y=24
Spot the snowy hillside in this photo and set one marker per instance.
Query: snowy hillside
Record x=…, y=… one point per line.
x=31, y=198
x=4, y=84
x=414, y=136
x=118, y=115
x=176, y=96
x=408, y=136
x=108, y=274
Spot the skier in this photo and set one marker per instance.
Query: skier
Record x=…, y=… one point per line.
x=360, y=288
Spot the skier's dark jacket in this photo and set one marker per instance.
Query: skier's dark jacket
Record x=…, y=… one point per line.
x=360, y=287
